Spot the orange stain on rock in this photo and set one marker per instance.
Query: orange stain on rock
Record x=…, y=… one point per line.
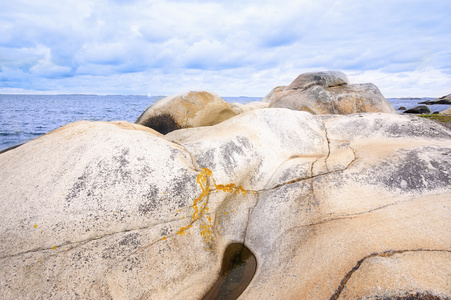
x=200, y=204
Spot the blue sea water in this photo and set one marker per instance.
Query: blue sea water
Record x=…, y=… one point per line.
x=25, y=117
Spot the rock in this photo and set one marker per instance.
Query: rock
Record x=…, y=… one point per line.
x=190, y=109
x=402, y=108
x=330, y=93
x=422, y=109
x=240, y=108
x=442, y=100
x=446, y=111
x=331, y=206
x=324, y=79
x=274, y=92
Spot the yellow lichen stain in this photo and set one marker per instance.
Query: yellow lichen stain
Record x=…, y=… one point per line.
x=202, y=180
x=164, y=238
x=35, y=226
x=200, y=205
x=230, y=188
x=54, y=247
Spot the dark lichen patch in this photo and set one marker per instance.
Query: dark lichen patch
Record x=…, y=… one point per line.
x=151, y=202
x=244, y=141
x=182, y=185
x=238, y=269
x=131, y=240
x=417, y=127
x=414, y=296
x=127, y=243
x=424, y=168
x=122, y=164
x=105, y=174
x=207, y=159
x=163, y=123
x=229, y=151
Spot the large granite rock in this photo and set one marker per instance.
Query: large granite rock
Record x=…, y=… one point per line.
x=324, y=79
x=422, y=109
x=330, y=93
x=189, y=109
x=240, y=108
x=273, y=94
x=331, y=206
x=442, y=100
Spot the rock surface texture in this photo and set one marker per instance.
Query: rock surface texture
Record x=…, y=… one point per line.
x=190, y=109
x=442, y=100
x=240, y=108
x=422, y=109
x=330, y=93
x=273, y=94
x=332, y=207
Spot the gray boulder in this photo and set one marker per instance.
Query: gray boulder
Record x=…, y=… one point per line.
x=442, y=100
x=324, y=79
x=422, y=109
x=271, y=95
x=331, y=93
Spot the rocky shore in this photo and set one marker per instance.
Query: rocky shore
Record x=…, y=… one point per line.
x=329, y=191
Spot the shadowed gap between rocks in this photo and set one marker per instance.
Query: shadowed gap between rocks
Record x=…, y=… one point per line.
x=163, y=123
x=238, y=269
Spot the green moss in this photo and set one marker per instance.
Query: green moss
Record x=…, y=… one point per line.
x=441, y=118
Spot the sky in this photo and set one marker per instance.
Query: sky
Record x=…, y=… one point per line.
x=233, y=48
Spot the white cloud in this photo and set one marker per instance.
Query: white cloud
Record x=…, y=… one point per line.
x=233, y=47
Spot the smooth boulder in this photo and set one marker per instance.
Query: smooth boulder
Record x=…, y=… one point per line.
x=189, y=109
x=422, y=109
x=347, y=207
x=324, y=79
x=330, y=93
x=273, y=93
x=240, y=108
x=442, y=100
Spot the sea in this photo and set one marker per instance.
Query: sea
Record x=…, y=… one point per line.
x=26, y=117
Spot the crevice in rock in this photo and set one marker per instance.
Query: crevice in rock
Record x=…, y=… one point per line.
x=311, y=174
x=57, y=248
x=238, y=268
x=299, y=180
x=388, y=253
x=352, y=161
x=328, y=146
x=343, y=217
x=193, y=161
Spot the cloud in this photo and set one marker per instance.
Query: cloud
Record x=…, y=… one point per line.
x=234, y=47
